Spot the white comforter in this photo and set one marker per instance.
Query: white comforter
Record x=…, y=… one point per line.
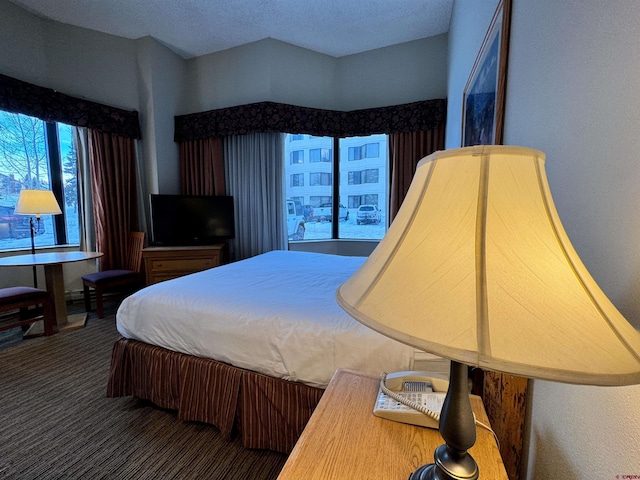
x=275, y=314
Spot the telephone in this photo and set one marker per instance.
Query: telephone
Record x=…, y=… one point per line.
x=411, y=397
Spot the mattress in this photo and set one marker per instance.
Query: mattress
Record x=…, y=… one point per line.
x=274, y=314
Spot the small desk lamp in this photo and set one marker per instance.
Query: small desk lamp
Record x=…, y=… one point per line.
x=477, y=268
x=36, y=203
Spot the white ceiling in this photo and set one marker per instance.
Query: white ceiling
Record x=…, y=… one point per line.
x=197, y=27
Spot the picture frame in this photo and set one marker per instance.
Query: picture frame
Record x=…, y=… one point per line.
x=484, y=94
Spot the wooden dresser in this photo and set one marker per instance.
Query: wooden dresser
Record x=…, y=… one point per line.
x=344, y=440
x=165, y=263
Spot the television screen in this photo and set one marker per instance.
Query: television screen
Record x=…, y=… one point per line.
x=191, y=220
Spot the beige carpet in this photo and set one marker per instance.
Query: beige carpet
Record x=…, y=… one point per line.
x=57, y=423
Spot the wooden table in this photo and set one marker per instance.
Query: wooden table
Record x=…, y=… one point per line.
x=344, y=440
x=54, y=280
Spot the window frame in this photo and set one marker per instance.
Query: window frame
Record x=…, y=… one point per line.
x=55, y=171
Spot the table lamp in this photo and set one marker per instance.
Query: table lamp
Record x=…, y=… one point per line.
x=36, y=203
x=477, y=268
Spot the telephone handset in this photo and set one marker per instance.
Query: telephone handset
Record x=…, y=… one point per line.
x=411, y=397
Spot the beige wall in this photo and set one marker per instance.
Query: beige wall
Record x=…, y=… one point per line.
x=572, y=93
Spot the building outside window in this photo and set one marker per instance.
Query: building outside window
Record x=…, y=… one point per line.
x=362, y=172
x=37, y=155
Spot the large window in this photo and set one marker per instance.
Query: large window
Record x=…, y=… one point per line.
x=37, y=155
x=361, y=170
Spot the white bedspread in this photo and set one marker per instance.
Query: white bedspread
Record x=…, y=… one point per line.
x=275, y=314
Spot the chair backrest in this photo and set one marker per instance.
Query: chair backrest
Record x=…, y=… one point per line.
x=134, y=251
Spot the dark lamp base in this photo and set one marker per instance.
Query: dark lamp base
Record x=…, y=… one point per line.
x=457, y=426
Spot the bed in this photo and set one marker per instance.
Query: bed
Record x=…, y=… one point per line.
x=249, y=346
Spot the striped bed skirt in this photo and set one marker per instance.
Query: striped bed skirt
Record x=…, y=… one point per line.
x=268, y=413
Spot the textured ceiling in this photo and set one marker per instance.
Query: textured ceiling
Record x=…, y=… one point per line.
x=197, y=27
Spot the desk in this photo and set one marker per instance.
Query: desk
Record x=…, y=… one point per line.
x=344, y=440
x=54, y=280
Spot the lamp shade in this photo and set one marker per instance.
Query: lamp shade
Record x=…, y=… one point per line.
x=477, y=268
x=37, y=202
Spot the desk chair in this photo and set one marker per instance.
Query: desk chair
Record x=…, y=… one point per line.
x=125, y=280
x=20, y=298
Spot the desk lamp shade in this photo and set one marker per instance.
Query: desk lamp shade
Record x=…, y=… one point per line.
x=36, y=203
x=477, y=268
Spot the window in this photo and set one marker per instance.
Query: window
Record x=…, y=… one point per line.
x=317, y=200
x=320, y=155
x=297, y=156
x=297, y=180
x=366, y=184
x=367, y=199
x=293, y=138
x=368, y=150
x=37, y=155
x=359, y=177
x=319, y=178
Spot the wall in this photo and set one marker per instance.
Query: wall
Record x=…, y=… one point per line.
x=573, y=70
x=270, y=70
x=410, y=71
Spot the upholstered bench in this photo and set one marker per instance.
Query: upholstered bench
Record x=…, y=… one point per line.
x=19, y=298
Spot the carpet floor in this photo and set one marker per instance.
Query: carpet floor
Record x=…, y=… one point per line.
x=57, y=423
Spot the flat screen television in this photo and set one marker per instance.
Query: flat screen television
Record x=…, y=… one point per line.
x=191, y=220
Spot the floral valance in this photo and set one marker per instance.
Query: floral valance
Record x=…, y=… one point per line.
x=279, y=117
x=49, y=105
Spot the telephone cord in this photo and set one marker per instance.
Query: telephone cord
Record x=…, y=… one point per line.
x=424, y=410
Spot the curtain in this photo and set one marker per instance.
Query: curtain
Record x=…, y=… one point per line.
x=85, y=200
x=406, y=149
x=113, y=167
x=254, y=177
x=202, y=167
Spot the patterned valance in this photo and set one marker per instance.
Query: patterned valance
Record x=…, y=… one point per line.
x=279, y=117
x=49, y=105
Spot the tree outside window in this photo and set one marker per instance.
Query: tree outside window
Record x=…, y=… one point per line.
x=31, y=152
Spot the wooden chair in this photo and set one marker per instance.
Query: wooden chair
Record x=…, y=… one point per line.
x=20, y=298
x=125, y=280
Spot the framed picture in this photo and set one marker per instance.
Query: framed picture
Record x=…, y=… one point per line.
x=484, y=93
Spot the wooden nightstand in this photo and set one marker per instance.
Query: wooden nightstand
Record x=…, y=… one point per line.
x=165, y=263
x=344, y=440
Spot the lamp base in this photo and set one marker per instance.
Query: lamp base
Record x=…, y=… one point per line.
x=447, y=468
x=457, y=426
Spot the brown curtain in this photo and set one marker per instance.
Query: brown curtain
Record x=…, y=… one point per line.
x=406, y=149
x=113, y=187
x=202, y=167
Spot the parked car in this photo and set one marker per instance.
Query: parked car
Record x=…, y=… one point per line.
x=14, y=226
x=323, y=212
x=295, y=220
x=368, y=214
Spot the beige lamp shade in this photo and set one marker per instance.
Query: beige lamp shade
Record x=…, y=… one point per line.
x=37, y=202
x=477, y=268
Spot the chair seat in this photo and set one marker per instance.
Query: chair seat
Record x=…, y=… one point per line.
x=116, y=280
x=12, y=295
x=21, y=298
x=108, y=276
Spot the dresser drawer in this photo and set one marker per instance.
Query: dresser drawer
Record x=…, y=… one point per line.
x=164, y=263
x=183, y=264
